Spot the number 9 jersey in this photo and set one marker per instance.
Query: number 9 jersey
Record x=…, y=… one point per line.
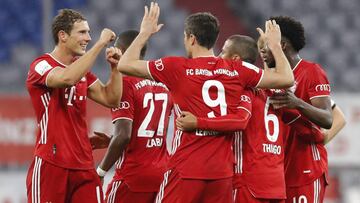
x=207, y=87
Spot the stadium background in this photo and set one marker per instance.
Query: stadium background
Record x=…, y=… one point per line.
x=332, y=31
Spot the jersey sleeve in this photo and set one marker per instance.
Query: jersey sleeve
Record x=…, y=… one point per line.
x=318, y=84
x=250, y=75
x=91, y=79
x=166, y=70
x=237, y=120
x=126, y=108
x=39, y=71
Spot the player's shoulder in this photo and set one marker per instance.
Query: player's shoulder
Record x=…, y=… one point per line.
x=310, y=66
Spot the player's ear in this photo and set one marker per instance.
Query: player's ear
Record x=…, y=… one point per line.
x=236, y=57
x=62, y=35
x=192, y=39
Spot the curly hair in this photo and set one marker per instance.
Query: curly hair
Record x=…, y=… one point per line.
x=65, y=21
x=292, y=30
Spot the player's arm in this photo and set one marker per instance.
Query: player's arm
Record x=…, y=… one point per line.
x=118, y=143
x=231, y=122
x=318, y=112
x=66, y=77
x=109, y=95
x=305, y=129
x=282, y=75
x=338, y=124
x=130, y=63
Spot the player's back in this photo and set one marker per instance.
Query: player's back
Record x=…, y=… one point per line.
x=61, y=117
x=259, y=149
x=206, y=87
x=148, y=104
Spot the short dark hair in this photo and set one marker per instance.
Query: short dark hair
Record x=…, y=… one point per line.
x=65, y=21
x=124, y=40
x=292, y=30
x=204, y=26
x=245, y=47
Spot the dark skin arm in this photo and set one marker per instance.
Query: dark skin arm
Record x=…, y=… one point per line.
x=118, y=143
x=318, y=112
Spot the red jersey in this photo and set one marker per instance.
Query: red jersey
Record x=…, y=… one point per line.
x=304, y=161
x=62, y=136
x=259, y=149
x=148, y=104
x=206, y=87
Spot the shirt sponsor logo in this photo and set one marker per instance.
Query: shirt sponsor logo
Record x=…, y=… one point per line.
x=159, y=65
x=123, y=105
x=323, y=87
x=245, y=98
x=42, y=67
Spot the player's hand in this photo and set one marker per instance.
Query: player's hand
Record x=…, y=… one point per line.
x=99, y=140
x=186, y=122
x=113, y=55
x=107, y=36
x=285, y=100
x=272, y=34
x=149, y=24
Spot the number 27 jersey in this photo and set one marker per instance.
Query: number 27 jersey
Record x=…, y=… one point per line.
x=206, y=87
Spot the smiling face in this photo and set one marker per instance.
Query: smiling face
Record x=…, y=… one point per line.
x=78, y=39
x=265, y=53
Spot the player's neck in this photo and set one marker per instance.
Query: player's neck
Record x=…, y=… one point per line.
x=202, y=52
x=62, y=56
x=294, y=59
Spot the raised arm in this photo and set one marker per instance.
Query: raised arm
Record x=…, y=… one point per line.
x=66, y=77
x=282, y=75
x=130, y=63
x=109, y=95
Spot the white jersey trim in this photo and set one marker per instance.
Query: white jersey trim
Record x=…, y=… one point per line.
x=319, y=96
x=297, y=65
x=160, y=195
x=45, y=99
x=35, y=181
x=93, y=83
x=114, y=187
x=262, y=75
x=56, y=59
x=292, y=121
x=121, y=118
x=240, y=107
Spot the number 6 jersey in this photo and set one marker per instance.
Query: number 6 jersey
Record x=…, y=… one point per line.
x=207, y=87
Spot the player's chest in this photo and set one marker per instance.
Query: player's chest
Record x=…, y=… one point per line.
x=75, y=95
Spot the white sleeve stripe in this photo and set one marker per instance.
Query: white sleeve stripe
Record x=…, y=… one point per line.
x=122, y=118
x=240, y=107
x=293, y=120
x=93, y=83
x=319, y=96
x=262, y=75
x=148, y=69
